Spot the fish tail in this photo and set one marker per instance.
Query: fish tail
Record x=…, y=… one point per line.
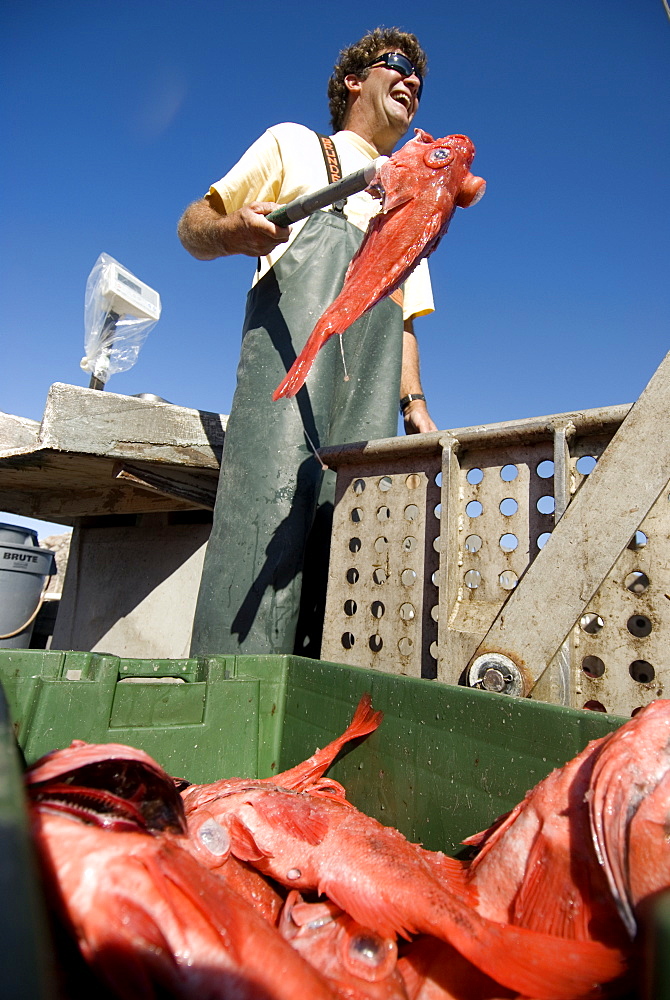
x=535, y=964
x=295, y=378
x=364, y=721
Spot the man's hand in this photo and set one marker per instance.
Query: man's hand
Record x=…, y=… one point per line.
x=208, y=232
x=417, y=419
x=251, y=232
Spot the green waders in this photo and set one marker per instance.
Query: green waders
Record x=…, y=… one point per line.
x=270, y=483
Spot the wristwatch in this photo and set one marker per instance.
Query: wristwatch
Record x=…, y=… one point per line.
x=406, y=400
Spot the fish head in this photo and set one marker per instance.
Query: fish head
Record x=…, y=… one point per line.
x=426, y=164
x=455, y=152
x=109, y=785
x=339, y=947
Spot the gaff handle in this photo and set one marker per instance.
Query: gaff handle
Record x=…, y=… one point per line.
x=307, y=204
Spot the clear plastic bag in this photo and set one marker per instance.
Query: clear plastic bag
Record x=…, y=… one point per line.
x=119, y=312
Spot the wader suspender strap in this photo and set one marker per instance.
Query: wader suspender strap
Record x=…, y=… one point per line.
x=333, y=171
x=333, y=168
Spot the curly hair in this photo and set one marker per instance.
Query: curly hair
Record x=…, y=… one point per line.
x=356, y=57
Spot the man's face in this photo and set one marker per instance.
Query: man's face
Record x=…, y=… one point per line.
x=391, y=96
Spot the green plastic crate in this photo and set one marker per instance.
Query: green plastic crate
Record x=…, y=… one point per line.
x=444, y=764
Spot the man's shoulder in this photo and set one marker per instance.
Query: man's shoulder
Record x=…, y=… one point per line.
x=291, y=132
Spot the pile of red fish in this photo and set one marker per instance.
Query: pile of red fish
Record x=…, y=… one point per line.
x=280, y=888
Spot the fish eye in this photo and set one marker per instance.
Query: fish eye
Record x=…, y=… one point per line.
x=213, y=836
x=439, y=157
x=371, y=957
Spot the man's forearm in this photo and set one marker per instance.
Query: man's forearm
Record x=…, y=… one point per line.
x=415, y=413
x=208, y=233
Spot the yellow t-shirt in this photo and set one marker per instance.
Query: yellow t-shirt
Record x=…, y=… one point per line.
x=286, y=162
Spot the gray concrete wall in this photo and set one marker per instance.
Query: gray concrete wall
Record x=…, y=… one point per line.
x=131, y=585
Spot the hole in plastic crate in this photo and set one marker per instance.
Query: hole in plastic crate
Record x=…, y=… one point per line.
x=545, y=469
x=434, y=651
x=413, y=481
x=543, y=539
x=508, y=473
x=638, y=541
x=381, y=544
x=438, y=479
x=472, y=579
x=350, y=608
x=409, y=543
x=357, y=515
x=637, y=582
x=474, y=476
x=348, y=640
x=407, y=611
x=546, y=505
x=405, y=645
x=352, y=575
x=593, y=666
x=509, y=542
x=354, y=545
x=435, y=578
x=636, y=711
x=437, y=510
x=411, y=512
x=641, y=671
x=375, y=643
x=358, y=486
x=408, y=577
x=508, y=579
x=383, y=513
x=508, y=506
x=585, y=464
x=639, y=625
x=377, y=609
x=385, y=484
x=473, y=543
x=436, y=544
x=591, y=623
x=594, y=706
x=474, y=508
x=380, y=575
x=435, y=613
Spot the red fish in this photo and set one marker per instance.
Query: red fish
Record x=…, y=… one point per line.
x=373, y=873
x=629, y=804
x=433, y=970
x=537, y=866
x=306, y=776
x=148, y=918
x=420, y=186
x=357, y=962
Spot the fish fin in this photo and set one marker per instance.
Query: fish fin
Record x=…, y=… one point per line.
x=453, y=873
x=486, y=839
x=397, y=183
x=378, y=912
x=547, y=900
x=295, y=815
x=539, y=965
x=242, y=843
x=364, y=721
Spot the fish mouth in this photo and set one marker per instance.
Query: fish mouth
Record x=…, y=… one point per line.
x=114, y=794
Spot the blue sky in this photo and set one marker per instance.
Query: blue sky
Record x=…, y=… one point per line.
x=552, y=293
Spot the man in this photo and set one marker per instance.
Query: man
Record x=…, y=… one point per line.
x=272, y=491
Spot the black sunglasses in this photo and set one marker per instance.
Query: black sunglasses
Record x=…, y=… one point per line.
x=400, y=63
